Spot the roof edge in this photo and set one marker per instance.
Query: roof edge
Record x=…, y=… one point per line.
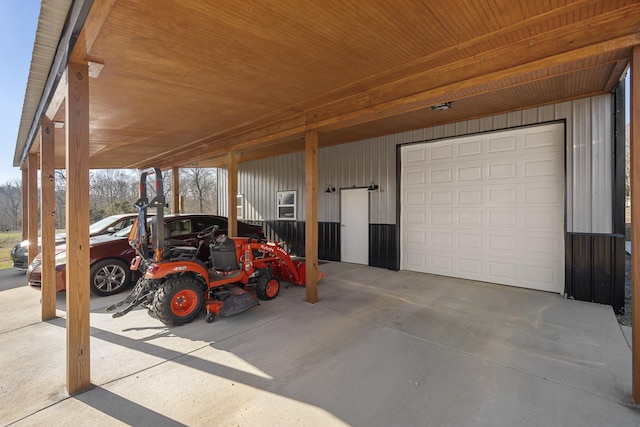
x=59, y=25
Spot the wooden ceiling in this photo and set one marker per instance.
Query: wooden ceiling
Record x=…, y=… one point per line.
x=187, y=81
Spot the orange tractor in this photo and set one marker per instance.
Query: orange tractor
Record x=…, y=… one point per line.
x=176, y=285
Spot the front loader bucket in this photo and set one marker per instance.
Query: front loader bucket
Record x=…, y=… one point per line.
x=299, y=274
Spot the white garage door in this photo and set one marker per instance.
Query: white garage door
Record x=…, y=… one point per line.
x=487, y=207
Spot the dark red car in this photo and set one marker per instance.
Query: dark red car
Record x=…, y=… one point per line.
x=111, y=255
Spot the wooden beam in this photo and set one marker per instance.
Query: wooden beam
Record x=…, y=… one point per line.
x=221, y=143
x=58, y=96
x=232, y=193
x=32, y=219
x=77, y=220
x=175, y=174
x=96, y=18
x=48, y=218
x=25, y=203
x=311, y=216
x=635, y=219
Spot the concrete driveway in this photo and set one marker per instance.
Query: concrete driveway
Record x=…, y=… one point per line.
x=380, y=348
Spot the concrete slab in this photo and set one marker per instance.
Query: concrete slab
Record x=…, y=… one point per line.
x=380, y=348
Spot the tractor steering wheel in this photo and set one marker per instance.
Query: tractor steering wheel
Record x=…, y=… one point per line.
x=255, y=237
x=207, y=232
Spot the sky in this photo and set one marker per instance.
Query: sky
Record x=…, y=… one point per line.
x=18, y=23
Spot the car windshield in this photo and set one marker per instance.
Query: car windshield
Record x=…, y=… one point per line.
x=99, y=225
x=124, y=232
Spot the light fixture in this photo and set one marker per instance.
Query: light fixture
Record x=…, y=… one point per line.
x=372, y=187
x=441, y=107
x=330, y=189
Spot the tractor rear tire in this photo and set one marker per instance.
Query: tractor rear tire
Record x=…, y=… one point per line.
x=179, y=300
x=267, y=287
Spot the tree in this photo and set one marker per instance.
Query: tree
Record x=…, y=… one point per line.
x=198, y=185
x=11, y=205
x=60, y=198
x=113, y=191
x=108, y=187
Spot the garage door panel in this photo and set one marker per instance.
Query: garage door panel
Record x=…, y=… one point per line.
x=468, y=148
x=469, y=217
x=502, y=219
x=542, y=194
x=439, y=152
x=471, y=268
x=543, y=139
x=440, y=217
x=416, y=261
x=491, y=208
x=417, y=177
x=414, y=155
x=543, y=219
x=506, y=144
x=469, y=173
x=469, y=241
x=416, y=198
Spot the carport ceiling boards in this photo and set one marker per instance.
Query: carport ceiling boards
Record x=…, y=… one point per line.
x=191, y=80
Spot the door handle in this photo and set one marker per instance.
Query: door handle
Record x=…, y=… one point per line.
x=342, y=225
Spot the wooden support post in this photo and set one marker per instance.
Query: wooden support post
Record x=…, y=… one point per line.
x=175, y=174
x=77, y=220
x=311, y=216
x=25, y=203
x=635, y=220
x=32, y=220
x=48, y=218
x=232, y=191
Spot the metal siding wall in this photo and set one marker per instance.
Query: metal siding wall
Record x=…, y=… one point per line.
x=602, y=165
x=588, y=164
x=356, y=165
x=582, y=165
x=223, y=182
x=563, y=111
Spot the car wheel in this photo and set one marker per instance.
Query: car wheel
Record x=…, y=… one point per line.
x=109, y=276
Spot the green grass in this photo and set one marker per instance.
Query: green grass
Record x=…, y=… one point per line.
x=7, y=240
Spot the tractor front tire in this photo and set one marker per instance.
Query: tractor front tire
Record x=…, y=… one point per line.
x=179, y=300
x=267, y=287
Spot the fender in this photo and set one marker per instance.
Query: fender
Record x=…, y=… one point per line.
x=281, y=263
x=163, y=269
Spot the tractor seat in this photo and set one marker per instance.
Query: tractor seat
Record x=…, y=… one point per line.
x=182, y=252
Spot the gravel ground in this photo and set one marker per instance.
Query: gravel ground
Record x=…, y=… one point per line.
x=625, y=319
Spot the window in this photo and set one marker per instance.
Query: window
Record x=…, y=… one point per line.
x=202, y=222
x=240, y=206
x=179, y=227
x=286, y=205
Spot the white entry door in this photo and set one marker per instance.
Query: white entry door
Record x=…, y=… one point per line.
x=354, y=225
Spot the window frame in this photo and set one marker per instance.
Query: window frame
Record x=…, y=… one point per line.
x=281, y=196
